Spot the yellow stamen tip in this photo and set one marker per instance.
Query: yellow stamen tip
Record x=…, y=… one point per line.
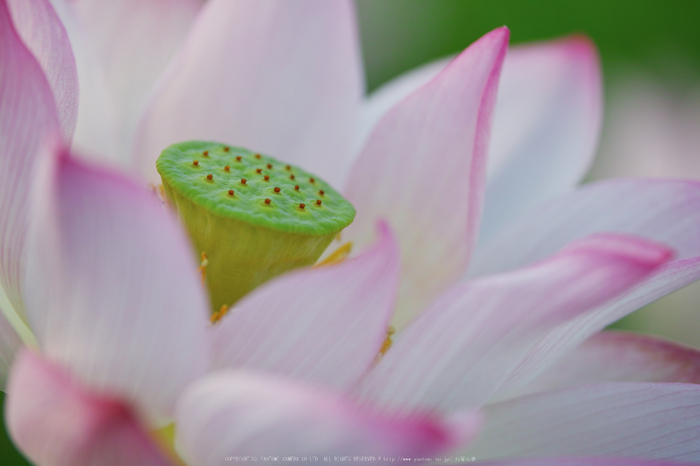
x=203, y=267
x=387, y=342
x=217, y=316
x=337, y=256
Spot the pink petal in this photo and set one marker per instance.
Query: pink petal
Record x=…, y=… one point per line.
x=27, y=114
x=423, y=169
x=43, y=34
x=112, y=289
x=279, y=77
x=10, y=343
x=667, y=211
x=465, y=345
x=324, y=325
x=56, y=422
x=545, y=129
x=235, y=414
x=645, y=420
x=95, y=132
x=620, y=357
x=131, y=42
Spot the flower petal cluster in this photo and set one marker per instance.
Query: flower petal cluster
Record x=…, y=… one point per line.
x=499, y=352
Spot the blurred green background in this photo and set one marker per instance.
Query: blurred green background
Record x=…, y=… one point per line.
x=659, y=39
x=398, y=35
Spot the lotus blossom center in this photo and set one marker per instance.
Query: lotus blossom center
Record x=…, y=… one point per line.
x=249, y=216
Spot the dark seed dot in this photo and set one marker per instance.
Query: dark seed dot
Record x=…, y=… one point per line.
x=291, y=177
x=243, y=181
x=267, y=201
x=226, y=149
x=288, y=167
x=267, y=178
x=301, y=206
x=239, y=158
x=205, y=153
x=277, y=190
x=269, y=166
x=257, y=156
x=321, y=192
x=210, y=177
x=230, y=192
x=318, y=201
x=311, y=180
x=296, y=187
x=195, y=163
x=258, y=170
x=227, y=168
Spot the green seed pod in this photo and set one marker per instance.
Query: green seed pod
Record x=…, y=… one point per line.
x=252, y=216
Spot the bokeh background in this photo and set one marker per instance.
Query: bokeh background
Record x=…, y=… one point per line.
x=651, y=62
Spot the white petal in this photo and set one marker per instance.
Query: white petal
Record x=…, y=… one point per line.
x=56, y=422
x=619, y=357
x=10, y=343
x=380, y=101
x=546, y=122
x=28, y=114
x=645, y=420
x=44, y=35
x=545, y=129
x=664, y=210
x=466, y=344
x=112, y=288
x=423, y=169
x=275, y=76
x=95, y=132
x=131, y=42
x=324, y=325
x=238, y=415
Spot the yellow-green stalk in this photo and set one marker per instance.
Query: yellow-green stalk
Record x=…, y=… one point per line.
x=249, y=216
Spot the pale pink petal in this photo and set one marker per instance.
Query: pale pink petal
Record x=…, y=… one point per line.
x=380, y=101
x=132, y=41
x=112, y=289
x=10, y=343
x=279, y=77
x=423, y=169
x=546, y=122
x=465, y=345
x=545, y=129
x=27, y=114
x=56, y=422
x=324, y=325
x=645, y=420
x=95, y=133
x=664, y=210
x=578, y=461
x=620, y=357
x=42, y=32
x=236, y=414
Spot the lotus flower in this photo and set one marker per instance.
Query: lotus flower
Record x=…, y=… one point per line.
x=498, y=353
